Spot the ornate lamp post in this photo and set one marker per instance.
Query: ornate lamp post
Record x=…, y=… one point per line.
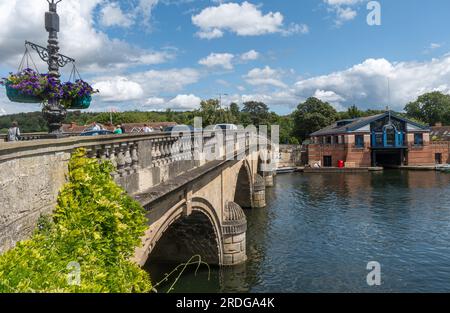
x=53, y=111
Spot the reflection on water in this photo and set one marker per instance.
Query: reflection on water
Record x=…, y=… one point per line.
x=319, y=231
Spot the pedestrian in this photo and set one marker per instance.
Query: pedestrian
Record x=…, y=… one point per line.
x=122, y=128
x=147, y=129
x=96, y=127
x=118, y=130
x=14, y=132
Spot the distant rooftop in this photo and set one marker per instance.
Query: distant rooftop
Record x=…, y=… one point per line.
x=441, y=132
x=348, y=125
x=129, y=127
x=344, y=126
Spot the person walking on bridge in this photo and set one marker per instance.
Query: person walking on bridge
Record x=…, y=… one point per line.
x=118, y=130
x=14, y=132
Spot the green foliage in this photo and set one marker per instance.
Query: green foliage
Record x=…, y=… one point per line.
x=212, y=114
x=95, y=224
x=430, y=108
x=311, y=116
x=258, y=112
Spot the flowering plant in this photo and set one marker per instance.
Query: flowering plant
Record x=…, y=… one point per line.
x=29, y=86
x=27, y=82
x=52, y=88
x=76, y=91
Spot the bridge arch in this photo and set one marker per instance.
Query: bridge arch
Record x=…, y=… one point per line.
x=244, y=186
x=182, y=235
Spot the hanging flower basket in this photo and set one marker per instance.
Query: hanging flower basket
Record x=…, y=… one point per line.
x=16, y=95
x=26, y=86
x=77, y=95
x=80, y=103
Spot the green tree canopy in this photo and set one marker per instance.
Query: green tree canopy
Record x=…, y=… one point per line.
x=312, y=115
x=212, y=113
x=430, y=108
x=234, y=109
x=257, y=111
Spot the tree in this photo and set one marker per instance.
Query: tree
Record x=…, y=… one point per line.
x=311, y=116
x=430, y=108
x=212, y=114
x=234, y=109
x=354, y=112
x=258, y=112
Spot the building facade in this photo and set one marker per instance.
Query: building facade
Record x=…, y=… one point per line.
x=381, y=140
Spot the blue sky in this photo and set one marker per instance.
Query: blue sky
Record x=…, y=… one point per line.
x=159, y=54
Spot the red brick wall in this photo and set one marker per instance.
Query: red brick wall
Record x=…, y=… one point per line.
x=362, y=156
x=316, y=152
x=426, y=155
x=346, y=153
x=442, y=147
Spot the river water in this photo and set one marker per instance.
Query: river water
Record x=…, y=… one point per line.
x=319, y=231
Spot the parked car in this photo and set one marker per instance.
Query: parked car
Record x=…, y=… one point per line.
x=179, y=128
x=225, y=127
x=96, y=132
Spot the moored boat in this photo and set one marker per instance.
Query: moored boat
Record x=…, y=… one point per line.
x=283, y=170
x=443, y=168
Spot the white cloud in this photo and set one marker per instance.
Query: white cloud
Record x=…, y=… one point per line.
x=146, y=7
x=330, y=97
x=112, y=15
x=119, y=89
x=264, y=76
x=244, y=19
x=210, y=34
x=345, y=10
x=94, y=50
x=284, y=98
x=138, y=90
x=295, y=29
x=218, y=60
x=171, y=80
x=366, y=84
x=435, y=46
x=250, y=55
x=185, y=102
x=154, y=101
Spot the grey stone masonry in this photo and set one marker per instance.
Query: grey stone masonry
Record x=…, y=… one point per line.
x=234, y=229
x=259, y=192
x=268, y=179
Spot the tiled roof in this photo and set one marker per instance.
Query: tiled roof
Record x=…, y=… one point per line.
x=138, y=127
x=356, y=123
x=441, y=132
x=129, y=127
x=335, y=129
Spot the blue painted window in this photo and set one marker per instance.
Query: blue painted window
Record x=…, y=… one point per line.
x=359, y=141
x=418, y=139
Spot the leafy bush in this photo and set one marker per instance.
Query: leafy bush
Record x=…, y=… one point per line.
x=95, y=224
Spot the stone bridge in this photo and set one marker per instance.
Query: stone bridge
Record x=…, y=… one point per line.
x=193, y=187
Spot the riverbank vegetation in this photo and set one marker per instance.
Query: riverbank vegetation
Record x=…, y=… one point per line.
x=87, y=243
x=309, y=116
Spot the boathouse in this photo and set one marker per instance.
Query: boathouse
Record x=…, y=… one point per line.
x=386, y=139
